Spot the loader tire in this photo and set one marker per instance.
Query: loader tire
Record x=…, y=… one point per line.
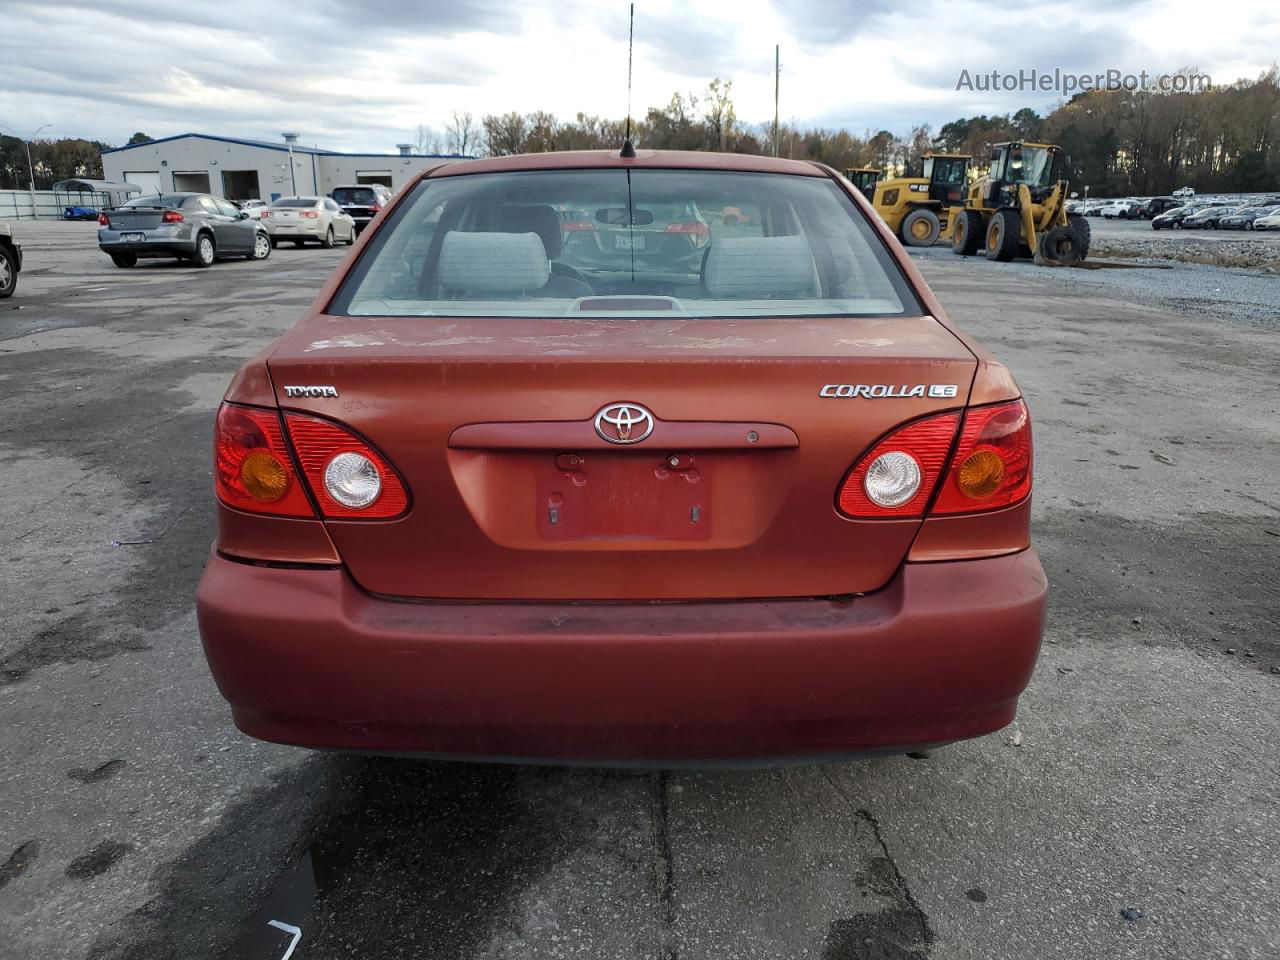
x=1003, y=236
x=1061, y=245
x=920, y=228
x=966, y=235
x=1083, y=230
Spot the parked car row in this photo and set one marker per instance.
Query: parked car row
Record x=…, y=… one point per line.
x=201, y=229
x=1217, y=216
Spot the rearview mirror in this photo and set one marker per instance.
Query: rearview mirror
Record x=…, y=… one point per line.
x=618, y=217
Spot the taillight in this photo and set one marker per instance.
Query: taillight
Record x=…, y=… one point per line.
x=992, y=463
x=897, y=476
x=348, y=477
x=310, y=214
x=266, y=214
x=375, y=207
x=694, y=227
x=171, y=216
x=577, y=226
x=990, y=468
x=251, y=466
x=103, y=221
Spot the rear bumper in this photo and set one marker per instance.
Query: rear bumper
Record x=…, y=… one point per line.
x=297, y=231
x=305, y=657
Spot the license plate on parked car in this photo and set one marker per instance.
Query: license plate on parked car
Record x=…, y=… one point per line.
x=629, y=242
x=133, y=237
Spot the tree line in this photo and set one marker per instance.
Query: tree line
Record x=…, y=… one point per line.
x=1118, y=142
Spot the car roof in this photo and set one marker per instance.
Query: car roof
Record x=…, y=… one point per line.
x=644, y=159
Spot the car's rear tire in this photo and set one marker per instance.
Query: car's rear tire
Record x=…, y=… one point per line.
x=966, y=236
x=327, y=242
x=297, y=243
x=8, y=273
x=351, y=237
x=1002, y=238
x=920, y=228
x=274, y=243
x=205, y=253
x=261, y=247
x=124, y=260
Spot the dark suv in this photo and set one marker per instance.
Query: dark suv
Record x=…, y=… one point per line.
x=190, y=226
x=361, y=201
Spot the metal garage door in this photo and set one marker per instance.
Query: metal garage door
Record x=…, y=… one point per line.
x=197, y=181
x=148, y=180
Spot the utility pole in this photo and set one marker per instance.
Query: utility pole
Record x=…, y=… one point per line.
x=31, y=167
x=291, y=139
x=777, y=79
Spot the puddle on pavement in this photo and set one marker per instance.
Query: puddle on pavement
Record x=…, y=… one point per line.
x=425, y=859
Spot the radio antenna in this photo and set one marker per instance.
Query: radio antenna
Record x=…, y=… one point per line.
x=628, y=149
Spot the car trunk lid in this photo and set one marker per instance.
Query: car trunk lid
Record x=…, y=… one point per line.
x=135, y=218
x=515, y=495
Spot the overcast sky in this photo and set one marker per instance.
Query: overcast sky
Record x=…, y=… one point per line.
x=363, y=74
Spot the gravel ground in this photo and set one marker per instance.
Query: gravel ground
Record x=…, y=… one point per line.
x=1130, y=812
x=1258, y=251
x=1226, y=294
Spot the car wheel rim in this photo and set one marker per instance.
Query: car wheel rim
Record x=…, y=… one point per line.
x=206, y=250
x=260, y=247
x=6, y=275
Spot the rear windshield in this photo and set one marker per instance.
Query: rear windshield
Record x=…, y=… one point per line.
x=355, y=195
x=167, y=200
x=304, y=202
x=604, y=242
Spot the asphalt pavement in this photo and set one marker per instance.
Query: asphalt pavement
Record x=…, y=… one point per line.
x=1129, y=812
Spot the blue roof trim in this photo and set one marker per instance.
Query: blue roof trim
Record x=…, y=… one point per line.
x=314, y=151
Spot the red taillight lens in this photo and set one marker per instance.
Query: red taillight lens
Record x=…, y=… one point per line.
x=335, y=478
x=375, y=207
x=103, y=221
x=251, y=466
x=926, y=442
x=694, y=227
x=310, y=214
x=266, y=214
x=171, y=216
x=577, y=226
x=992, y=463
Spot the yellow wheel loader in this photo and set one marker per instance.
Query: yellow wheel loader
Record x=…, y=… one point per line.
x=1019, y=209
x=919, y=209
x=864, y=178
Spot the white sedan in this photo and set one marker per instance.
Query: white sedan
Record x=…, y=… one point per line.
x=300, y=219
x=1270, y=222
x=254, y=208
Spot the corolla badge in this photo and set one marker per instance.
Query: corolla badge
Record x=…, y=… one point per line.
x=875, y=391
x=624, y=423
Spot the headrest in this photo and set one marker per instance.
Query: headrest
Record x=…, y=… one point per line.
x=753, y=267
x=541, y=219
x=492, y=262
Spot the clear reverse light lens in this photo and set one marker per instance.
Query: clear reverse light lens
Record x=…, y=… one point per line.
x=892, y=479
x=352, y=480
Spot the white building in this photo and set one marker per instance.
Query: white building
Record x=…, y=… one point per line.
x=252, y=169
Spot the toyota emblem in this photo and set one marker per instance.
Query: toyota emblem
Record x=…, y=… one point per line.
x=624, y=423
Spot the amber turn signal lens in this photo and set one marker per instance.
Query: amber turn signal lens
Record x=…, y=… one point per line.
x=980, y=474
x=264, y=476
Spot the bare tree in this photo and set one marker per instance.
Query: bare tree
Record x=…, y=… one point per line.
x=462, y=132
x=504, y=134
x=427, y=139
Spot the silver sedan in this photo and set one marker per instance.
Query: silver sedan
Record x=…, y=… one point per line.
x=300, y=219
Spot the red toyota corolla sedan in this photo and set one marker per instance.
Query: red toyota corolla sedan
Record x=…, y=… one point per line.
x=561, y=465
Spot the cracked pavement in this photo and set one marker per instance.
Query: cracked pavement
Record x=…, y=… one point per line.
x=1140, y=775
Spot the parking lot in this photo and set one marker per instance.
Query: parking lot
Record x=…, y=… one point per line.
x=1130, y=811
